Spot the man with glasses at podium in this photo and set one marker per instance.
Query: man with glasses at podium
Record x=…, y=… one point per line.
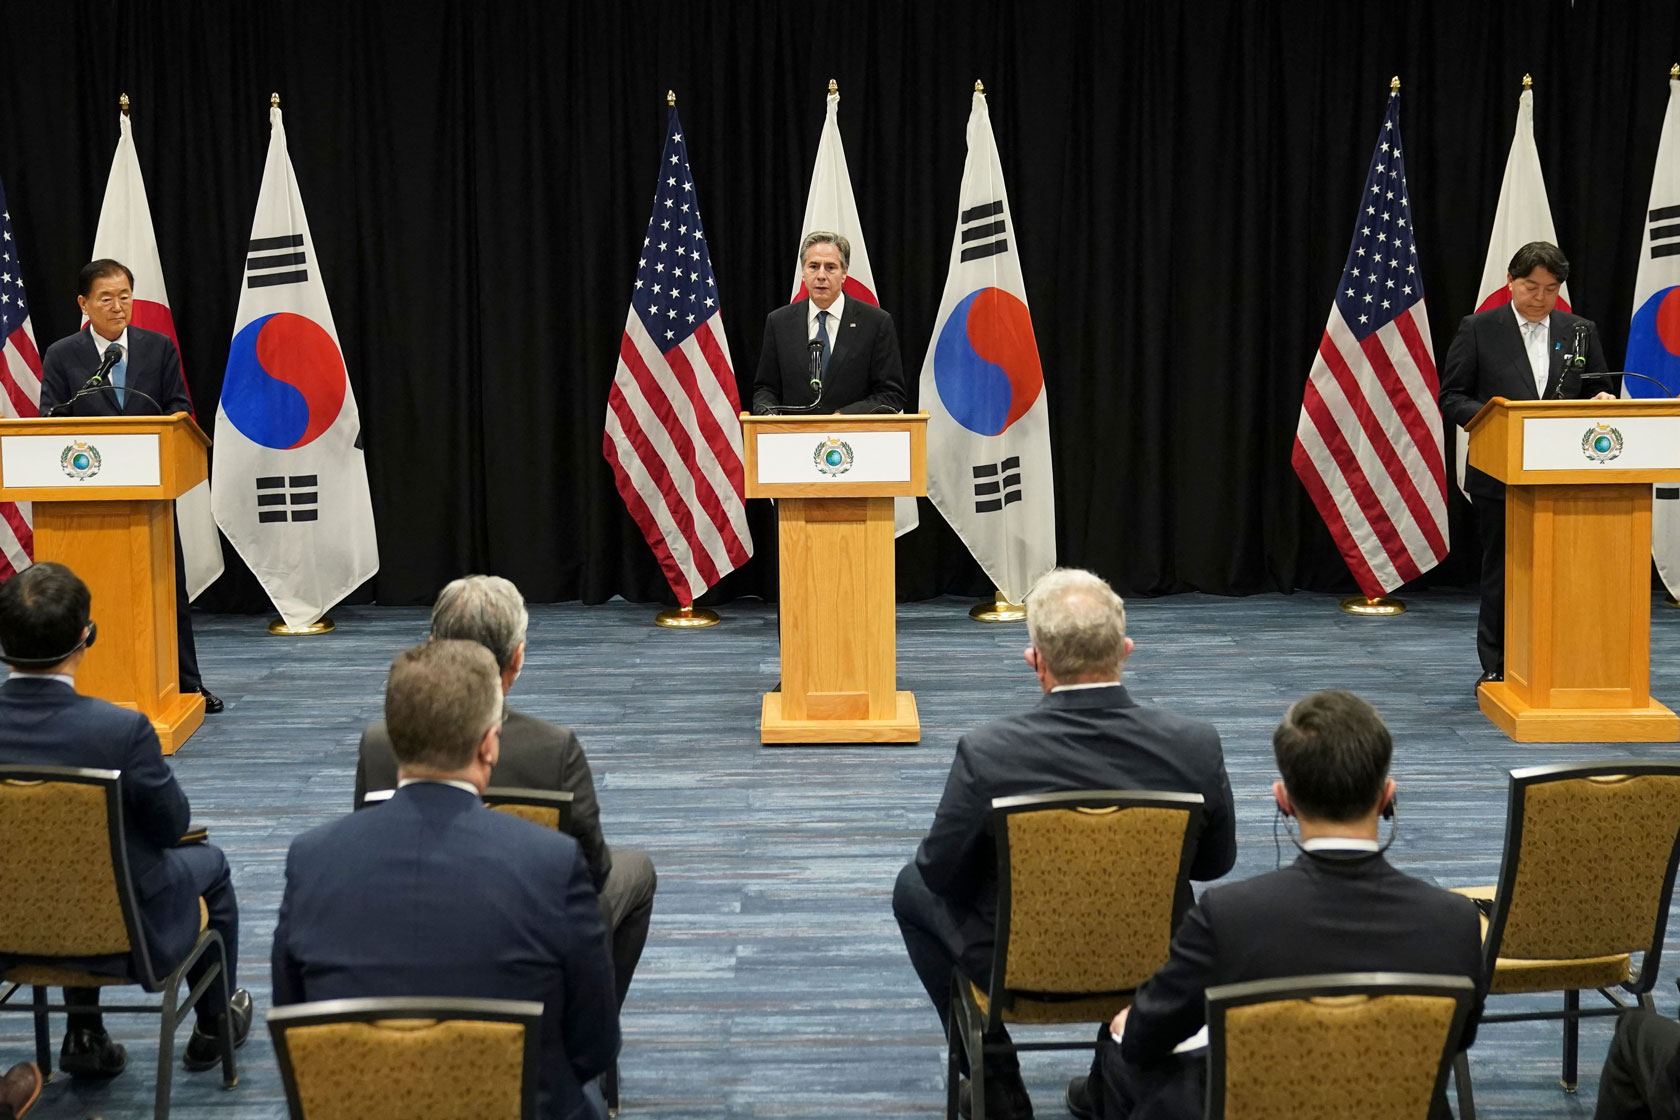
x=115, y=369
x=1525, y=352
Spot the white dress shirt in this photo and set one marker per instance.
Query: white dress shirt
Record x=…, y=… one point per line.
x=1536, y=340
x=835, y=311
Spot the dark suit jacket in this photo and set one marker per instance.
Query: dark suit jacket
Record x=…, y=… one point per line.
x=865, y=372
x=43, y=722
x=535, y=754
x=1487, y=359
x=1094, y=738
x=432, y=894
x=154, y=368
x=1322, y=913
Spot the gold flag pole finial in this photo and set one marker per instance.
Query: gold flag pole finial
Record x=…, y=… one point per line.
x=122, y=102
x=274, y=101
x=1394, y=84
x=979, y=86
x=671, y=98
x=1528, y=81
x=1674, y=72
x=833, y=87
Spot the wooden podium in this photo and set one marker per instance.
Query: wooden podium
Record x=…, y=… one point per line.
x=104, y=490
x=835, y=478
x=1578, y=478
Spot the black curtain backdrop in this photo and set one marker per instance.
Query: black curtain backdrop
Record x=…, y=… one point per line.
x=478, y=176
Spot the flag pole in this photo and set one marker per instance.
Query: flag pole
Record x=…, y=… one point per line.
x=1000, y=609
x=1383, y=606
x=684, y=618
x=122, y=103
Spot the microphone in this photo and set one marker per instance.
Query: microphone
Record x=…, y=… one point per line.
x=816, y=384
x=113, y=355
x=1574, y=362
x=1642, y=377
x=80, y=393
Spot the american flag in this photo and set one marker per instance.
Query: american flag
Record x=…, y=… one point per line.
x=673, y=416
x=1368, y=444
x=20, y=388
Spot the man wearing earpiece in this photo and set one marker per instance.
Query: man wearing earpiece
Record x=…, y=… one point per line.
x=1339, y=907
x=45, y=629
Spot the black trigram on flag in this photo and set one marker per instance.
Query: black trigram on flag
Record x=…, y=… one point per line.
x=1665, y=232
x=983, y=234
x=1671, y=493
x=287, y=498
x=997, y=484
x=276, y=260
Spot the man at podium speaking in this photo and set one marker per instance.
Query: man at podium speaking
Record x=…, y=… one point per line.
x=114, y=369
x=831, y=352
x=1527, y=351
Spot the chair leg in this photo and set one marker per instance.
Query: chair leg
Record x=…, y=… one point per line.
x=230, y=1073
x=953, y=1039
x=609, y=1088
x=1461, y=1081
x=1571, y=1038
x=166, y=1046
x=43, y=1032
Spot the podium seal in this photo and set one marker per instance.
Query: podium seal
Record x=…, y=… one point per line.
x=833, y=457
x=80, y=460
x=1601, y=443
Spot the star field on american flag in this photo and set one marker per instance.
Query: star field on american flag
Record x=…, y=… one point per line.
x=1380, y=279
x=14, y=306
x=675, y=289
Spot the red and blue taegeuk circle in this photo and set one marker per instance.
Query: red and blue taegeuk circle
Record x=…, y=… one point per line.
x=1654, y=344
x=285, y=381
x=986, y=362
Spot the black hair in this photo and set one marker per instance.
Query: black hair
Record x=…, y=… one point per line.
x=1333, y=752
x=95, y=270
x=1539, y=254
x=43, y=611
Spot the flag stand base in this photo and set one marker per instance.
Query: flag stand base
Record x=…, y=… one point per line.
x=998, y=610
x=323, y=625
x=1671, y=601
x=1381, y=607
x=687, y=618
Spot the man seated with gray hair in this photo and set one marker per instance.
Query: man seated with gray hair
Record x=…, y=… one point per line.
x=535, y=754
x=1086, y=733
x=430, y=893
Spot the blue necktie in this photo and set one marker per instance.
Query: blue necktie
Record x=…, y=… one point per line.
x=822, y=337
x=119, y=376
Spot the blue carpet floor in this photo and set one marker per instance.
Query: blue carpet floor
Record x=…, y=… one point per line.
x=774, y=982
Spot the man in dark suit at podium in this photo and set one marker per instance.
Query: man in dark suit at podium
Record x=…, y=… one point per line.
x=1086, y=733
x=830, y=351
x=1518, y=353
x=114, y=369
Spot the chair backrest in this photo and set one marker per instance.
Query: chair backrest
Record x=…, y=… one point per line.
x=1588, y=869
x=64, y=881
x=1088, y=888
x=547, y=807
x=373, y=1059
x=1376, y=1045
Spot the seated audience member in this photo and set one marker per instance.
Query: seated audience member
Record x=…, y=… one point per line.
x=45, y=629
x=1641, y=1079
x=1086, y=733
x=19, y=1090
x=432, y=894
x=1339, y=907
x=535, y=754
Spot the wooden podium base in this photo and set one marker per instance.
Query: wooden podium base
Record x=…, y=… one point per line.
x=176, y=721
x=903, y=727
x=1653, y=723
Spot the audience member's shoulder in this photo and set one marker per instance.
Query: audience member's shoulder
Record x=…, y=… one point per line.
x=1190, y=731
x=528, y=727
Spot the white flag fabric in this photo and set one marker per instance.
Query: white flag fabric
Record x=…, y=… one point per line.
x=125, y=234
x=983, y=387
x=289, y=484
x=1523, y=215
x=1654, y=335
x=831, y=206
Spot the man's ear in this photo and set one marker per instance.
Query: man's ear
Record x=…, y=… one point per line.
x=1280, y=794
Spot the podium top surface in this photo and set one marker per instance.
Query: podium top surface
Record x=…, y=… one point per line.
x=826, y=421
x=101, y=458
x=1594, y=442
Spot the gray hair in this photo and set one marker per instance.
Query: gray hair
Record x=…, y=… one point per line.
x=823, y=237
x=440, y=699
x=1077, y=623
x=488, y=610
